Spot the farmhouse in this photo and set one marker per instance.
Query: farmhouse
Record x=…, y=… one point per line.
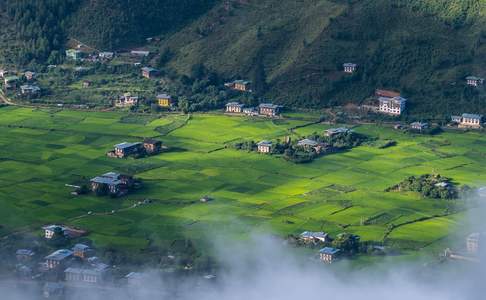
x=58, y=258
x=87, y=84
x=268, y=109
x=125, y=149
x=474, y=81
x=419, y=126
x=24, y=254
x=82, y=251
x=335, y=131
x=149, y=72
x=314, y=237
x=94, y=274
x=126, y=100
x=74, y=54
x=53, y=290
x=349, y=67
x=392, y=106
x=250, y=111
x=111, y=183
x=307, y=144
x=29, y=90
x=264, y=146
x=152, y=146
x=239, y=85
x=50, y=231
x=164, y=100
x=29, y=75
x=234, y=107
x=470, y=121
x=328, y=254
x=10, y=82
x=106, y=55
x=139, y=53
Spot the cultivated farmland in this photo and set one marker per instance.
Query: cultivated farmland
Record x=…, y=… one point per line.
x=42, y=150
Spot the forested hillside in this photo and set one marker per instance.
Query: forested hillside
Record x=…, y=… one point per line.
x=292, y=50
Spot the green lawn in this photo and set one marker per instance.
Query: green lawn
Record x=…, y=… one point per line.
x=42, y=150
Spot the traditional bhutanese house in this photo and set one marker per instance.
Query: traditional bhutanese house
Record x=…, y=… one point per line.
x=264, y=146
x=10, y=81
x=250, y=111
x=234, y=107
x=471, y=121
x=164, y=100
x=50, y=230
x=239, y=85
x=474, y=81
x=29, y=75
x=473, y=242
x=94, y=274
x=58, y=258
x=328, y=254
x=82, y=251
x=419, y=126
x=397, y=126
x=87, y=83
x=349, y=67
x=53, y=290
x=335, y=131
x=74, y=54
x=314, y=237
x=125, y=149
x=112, y=183
x=392, y=106
x=307, y=143
x=268, y=109
x=126, y=100
x=152, y=146
x=106, y=55
x=149, y=72
x=386, y=93
x=24, y=254
x=29, y=90
x=456, y=119
x=139, y=53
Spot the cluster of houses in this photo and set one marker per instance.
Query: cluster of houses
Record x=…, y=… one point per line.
x=468, y=120
x=327, y=255
x=264, y=109
x=79, y=55
x=129, y=100
x=125, y=149
x=12, y=82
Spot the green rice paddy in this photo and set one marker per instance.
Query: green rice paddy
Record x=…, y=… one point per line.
x=42, y=150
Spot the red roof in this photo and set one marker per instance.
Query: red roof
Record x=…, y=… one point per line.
x=386, y=93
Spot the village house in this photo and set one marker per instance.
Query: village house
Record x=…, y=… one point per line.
x=268, y=109
x=152, y=146
x=250, y=111
x=456, y=119
x=336, y=131
x=58, y=258
x=126, y=100
x=473, y=243
x=234, y=107
x=29, y=75
x=111, y=183
x=24, y=254
x=53, y=290
x=349, y=67
x=239, y=85
x=264, y=147
x=29, y=90
x=392, y=106
x=68, y=232
x=82, y=251
x=106, y=55
x=164, y=100
x=307, y=144
x=74, y=54
x=474, y=81
x=420, y=126
x=87, y=83
x=470, y=121
x=139, y=53
x=149, y=72
x=10, y=82
x=125, y=149
x=314, y=237
x=328, y=254
x=94, y=274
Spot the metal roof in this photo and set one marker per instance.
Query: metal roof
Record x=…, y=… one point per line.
x=472, y=116
x=329, y=250
x=126, y=145
x=265, y=143
x=59, y=254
